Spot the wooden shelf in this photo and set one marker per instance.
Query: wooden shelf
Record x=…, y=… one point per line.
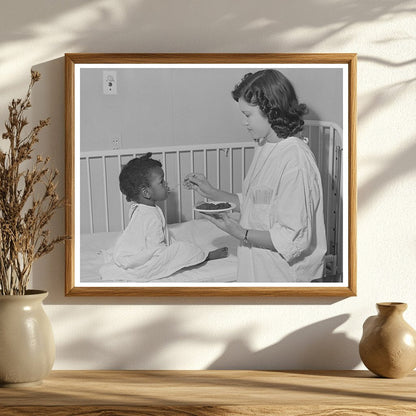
x=203, y=393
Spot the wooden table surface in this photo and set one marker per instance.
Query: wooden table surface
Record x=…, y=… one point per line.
x=253, y=393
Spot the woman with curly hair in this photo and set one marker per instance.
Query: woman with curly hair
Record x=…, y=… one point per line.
x=281, y=227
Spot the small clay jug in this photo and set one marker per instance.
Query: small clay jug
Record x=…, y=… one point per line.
x=27, y=347
x=388, y=345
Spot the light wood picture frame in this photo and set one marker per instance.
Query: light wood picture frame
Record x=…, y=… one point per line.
x=179, y=107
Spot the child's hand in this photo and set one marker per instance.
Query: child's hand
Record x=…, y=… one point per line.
x=227, y=224
x=198, y=182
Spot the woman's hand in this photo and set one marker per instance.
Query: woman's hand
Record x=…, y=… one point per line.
x=198, y=182
x=227, y=224
x=256, y=238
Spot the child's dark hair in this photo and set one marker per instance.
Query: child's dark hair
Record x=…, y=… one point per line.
x=273, y=93
x=135, y=175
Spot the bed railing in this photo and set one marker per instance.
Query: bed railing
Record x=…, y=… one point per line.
x=175, y=167
x=104, y=209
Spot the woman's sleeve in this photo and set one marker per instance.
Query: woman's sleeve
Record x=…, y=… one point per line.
x=240, y=198
x=292, y=212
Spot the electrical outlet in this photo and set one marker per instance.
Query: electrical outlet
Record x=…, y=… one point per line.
x=116, y=143
x=110, y=82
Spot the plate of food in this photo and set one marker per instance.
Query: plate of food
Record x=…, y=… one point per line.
x=214, y=207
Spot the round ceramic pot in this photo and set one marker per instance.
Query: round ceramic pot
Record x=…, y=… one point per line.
x=388, y=345
x=27, y=347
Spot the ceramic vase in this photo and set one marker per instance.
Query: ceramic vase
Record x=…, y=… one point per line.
x=388, y=345
x=27, y=347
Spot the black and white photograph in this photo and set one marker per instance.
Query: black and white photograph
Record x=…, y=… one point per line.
x=210, y=176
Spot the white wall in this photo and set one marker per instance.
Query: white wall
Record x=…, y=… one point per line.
x=161, y=107
x=198, y=333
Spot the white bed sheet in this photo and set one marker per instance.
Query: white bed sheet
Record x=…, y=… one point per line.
x=200, y=232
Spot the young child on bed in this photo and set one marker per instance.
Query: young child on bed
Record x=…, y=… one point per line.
x=145, y=251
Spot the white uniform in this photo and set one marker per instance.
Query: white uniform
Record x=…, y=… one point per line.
x=282, y=194
x=145, y=252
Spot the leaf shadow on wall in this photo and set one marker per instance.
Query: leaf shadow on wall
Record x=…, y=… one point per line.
x=151, y=345
x=313, y=347
x=99, y=26
x=401, y=163
x=148, y=343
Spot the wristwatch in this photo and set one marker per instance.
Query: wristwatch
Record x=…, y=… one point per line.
x=245, y=240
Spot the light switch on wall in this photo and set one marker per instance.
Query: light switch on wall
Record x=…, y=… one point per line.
x=110, y=82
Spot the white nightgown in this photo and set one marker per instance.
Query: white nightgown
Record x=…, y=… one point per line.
x=145, y=252
x=282, y=194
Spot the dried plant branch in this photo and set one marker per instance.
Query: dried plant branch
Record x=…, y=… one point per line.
x=24, y=217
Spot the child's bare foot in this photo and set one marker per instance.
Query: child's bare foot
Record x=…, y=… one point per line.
x=219, y=253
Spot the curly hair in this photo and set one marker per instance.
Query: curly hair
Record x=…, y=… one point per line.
x=135, y=176
x=273, y=93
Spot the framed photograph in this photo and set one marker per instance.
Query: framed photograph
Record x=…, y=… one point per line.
x=211, y=174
